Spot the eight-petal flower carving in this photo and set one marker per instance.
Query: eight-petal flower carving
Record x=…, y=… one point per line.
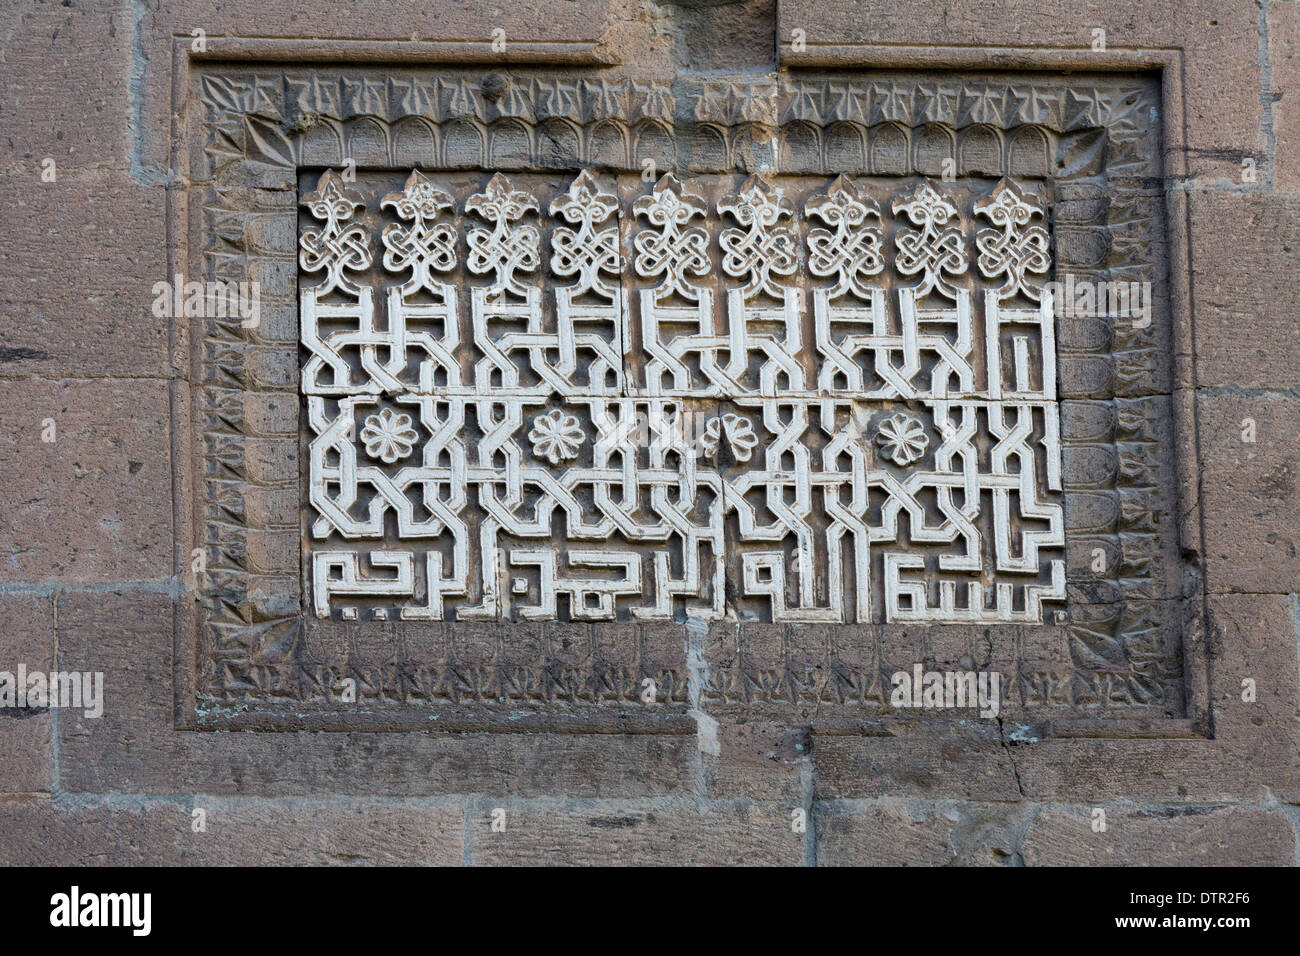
x=388, y=436
x=556, y=436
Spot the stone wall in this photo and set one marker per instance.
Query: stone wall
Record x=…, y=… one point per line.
x=151, y=519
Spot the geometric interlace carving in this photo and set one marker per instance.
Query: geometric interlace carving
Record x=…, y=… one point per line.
x=602, y=399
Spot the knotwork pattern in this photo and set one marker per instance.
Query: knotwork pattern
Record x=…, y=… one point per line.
x=769, y=399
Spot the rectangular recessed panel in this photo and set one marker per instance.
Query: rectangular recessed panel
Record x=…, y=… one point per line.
x=596, y=397
x=508, y=455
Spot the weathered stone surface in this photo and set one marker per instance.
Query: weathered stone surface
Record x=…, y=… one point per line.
x=64, y=90
x=135, y=747
x=1031, y=764
x=1252, y=512
x=974, y=766
x=1284, y=69
x=1252, y=649
x=152, y=831
x=93, y=503
x=82, y=266
x=740, y=834
x=759, y=760
x=1241, y=245
x=916, y=833
x=1221, y=77
x=26, y=734
x=1161, y=836
x=87, y=543
x=530, y=30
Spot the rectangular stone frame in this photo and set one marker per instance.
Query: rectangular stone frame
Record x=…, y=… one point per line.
x=238, y=653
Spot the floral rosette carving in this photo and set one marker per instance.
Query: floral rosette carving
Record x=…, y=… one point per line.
x=738, y=432
x=389, y=436
x=556, y=436
x=902, y=439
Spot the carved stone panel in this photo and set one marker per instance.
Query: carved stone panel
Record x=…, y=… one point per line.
x=749, y=393
x=779, y=400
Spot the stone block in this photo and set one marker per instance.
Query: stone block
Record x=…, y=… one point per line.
x=26, y=734
x=918, y=833
x=77, y=291
x=1161, y=835
x=64, y=86
x=1248, y=488
x=150, y=831
x=1254, y=638
x=1243, y=249
x=1284, y=71
x=94, y=503
x=760, y=760
x=741, y=834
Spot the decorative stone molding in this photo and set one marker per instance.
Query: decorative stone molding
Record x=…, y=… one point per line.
x=569, y=224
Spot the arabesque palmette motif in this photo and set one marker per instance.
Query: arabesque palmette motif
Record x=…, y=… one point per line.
x=852, y=255
x=425, y=246
x=936, y=250
x=340, y=246
x=1016, y=247
x=762, y=251
x=509, y=247
x=609, y=400
x=671, y=248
